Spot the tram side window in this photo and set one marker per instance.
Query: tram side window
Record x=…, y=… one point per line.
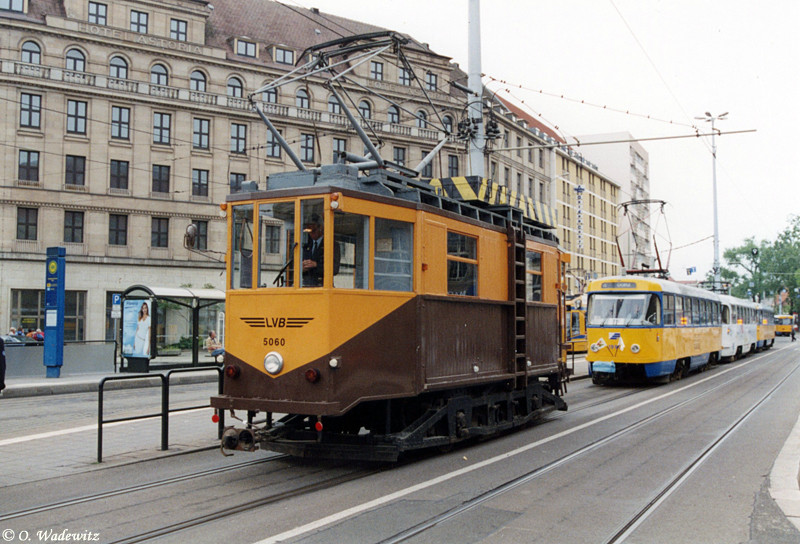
x=679, y=314
x=242, y=247
x=394, y=255
x=726, y=315
x=351, y=243
x=276, y=244
x=462, y=265
x=533, y=278
x=716, y=313
x=669, y=309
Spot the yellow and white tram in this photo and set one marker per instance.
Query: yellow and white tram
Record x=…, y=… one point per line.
x=648, y=328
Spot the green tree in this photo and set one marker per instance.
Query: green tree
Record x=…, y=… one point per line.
x=767, y=267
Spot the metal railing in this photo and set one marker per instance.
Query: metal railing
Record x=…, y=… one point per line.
x=165, y=409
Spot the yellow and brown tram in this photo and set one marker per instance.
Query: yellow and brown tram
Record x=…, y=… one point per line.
x=377, y=316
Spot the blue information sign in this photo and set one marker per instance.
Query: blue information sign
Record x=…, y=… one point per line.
x=54, y=295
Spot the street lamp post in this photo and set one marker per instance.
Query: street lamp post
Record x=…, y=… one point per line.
x=711, y=119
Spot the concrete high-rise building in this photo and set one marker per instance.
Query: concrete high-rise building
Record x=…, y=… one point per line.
x=628, y=164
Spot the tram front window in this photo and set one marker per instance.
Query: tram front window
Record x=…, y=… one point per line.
x=607, y=310
x=242, y=247
x=276, y=244
x=312, y=259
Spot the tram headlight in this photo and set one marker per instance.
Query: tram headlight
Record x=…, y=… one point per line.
x=273, y=362
x=635, y=348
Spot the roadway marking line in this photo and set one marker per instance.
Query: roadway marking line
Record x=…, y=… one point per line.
x=71, y=430
x=344, y=514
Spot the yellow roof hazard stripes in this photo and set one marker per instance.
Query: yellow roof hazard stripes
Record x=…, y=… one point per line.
x=474, y=188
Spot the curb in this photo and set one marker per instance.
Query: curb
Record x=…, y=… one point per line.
x=40, y=390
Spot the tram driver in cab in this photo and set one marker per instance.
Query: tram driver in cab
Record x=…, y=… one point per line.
x=314, y=253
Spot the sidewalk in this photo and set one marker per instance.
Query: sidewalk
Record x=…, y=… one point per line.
x=27, y=386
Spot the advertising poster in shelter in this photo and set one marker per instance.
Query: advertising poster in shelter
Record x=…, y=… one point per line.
x=136, y=327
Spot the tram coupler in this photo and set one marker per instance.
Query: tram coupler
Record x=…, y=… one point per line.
x=238, y=439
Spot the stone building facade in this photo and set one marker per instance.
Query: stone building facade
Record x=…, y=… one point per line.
x=125, y=121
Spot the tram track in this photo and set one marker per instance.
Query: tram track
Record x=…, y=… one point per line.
x=510, y=485
x=135, y=488
x=246, y=506
x=663, y=494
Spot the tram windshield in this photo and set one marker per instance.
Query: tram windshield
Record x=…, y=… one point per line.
x=623, y=309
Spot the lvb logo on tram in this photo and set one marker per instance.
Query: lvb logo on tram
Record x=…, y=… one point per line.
x=277, y=322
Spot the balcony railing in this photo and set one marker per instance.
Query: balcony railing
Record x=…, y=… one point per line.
x=236, y=103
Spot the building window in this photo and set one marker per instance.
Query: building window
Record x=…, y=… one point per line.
x=161, y=128
x=447, y=121
x=541, y=158
x=76, y=117
x=159, y=75
x=200, y=135
x=301, y=99
x=333, y=105
x=376, y=70
x=11, y=5
x=365, y=108
x=76, y=61
x=403, y=76
x=177, y=30
x=422, y=119
x=30, y=110
x=120, y=122
x=27, y=222
x=28, y=165
x=452, y=165
x=431, y=81
x=73, y=227
x=235, y=180
x=400, y=156
x=273, y=147
x=245, y=48
x=339, y=146
x=462, y=265
x=270, y=96
x=159, y=232
x=307, y=147
x=160, y=178
x=138, y=21
x=284, y=56
x=197, y=81
x=238, y=138
x=117, y=230
x=199, y=182
x=31, y=53
x=201, y=238
x=235, y=87
x=75, y=170
x=427, y=171
x=118, y=68
x=97, y=13
x=27, y=311
x=119, y=175
x=393, y=114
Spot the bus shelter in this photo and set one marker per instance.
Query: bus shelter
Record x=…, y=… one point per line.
x=167, y=327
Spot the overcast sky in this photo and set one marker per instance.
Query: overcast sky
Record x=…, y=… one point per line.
x=671, y=60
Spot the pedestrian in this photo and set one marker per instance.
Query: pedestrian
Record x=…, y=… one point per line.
x=2, y=365
x=794, y=328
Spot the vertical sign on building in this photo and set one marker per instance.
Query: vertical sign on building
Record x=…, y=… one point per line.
x=54, y=312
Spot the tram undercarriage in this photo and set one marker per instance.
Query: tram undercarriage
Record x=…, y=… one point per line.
x=382, y=430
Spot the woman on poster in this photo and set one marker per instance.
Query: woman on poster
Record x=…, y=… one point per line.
x=141, y=342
